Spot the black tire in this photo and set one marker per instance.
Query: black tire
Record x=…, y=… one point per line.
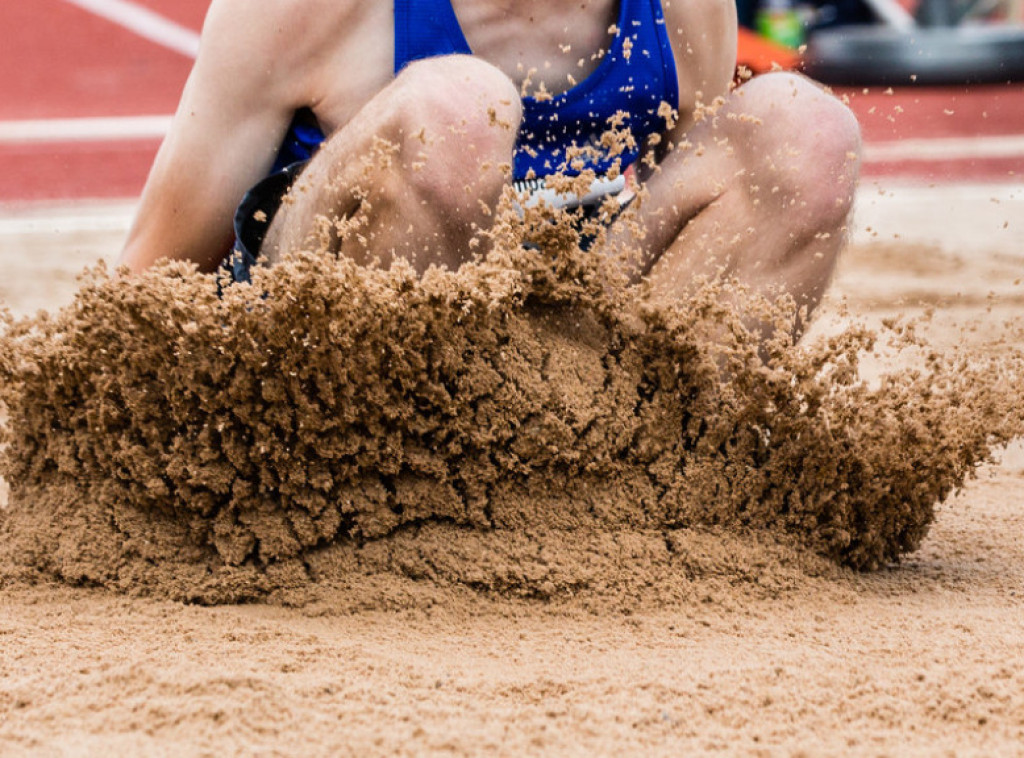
x=876, y=55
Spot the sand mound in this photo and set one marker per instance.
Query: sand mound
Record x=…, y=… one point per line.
x=526, y=425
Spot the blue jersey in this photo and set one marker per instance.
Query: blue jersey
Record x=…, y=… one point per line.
x=635, y=76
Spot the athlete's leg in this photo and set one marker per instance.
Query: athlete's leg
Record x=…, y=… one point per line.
x=763, y=193
x=412, y=174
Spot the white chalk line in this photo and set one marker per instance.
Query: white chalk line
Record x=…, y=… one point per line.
x=145, y=23
x=945, y=148
x=113, y=218
x=122, y=128
x=106, y=129
x=974, y=199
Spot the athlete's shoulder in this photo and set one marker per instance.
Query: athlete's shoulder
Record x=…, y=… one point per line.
x=712, y=20
x=277, y=26
x=703, y=38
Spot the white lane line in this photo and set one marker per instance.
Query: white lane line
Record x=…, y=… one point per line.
x=64, y=225
x=945, y=148
x=118, y=128
x=145, y=23
x=68, y=220
x=138, y=128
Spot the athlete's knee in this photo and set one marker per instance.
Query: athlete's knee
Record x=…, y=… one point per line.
x=807, y=141
x=459, y=117
x=461, y=100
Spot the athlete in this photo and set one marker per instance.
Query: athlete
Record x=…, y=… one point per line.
x=407, y=120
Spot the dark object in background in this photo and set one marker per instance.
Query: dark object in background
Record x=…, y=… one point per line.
x=826, y=13
x=878, y=55
x=876, y=42
x=940, y=45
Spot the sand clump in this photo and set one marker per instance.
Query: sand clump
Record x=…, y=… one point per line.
x=527, y=425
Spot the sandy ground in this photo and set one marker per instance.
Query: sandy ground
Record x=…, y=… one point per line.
x=922, y=659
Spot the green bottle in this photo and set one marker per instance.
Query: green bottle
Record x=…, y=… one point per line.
x=778, y=21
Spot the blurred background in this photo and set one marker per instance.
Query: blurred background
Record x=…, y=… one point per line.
x=88, y=86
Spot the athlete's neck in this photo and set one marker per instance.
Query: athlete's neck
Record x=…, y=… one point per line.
x=530, y=8
x=560, y=40
x=542, y=14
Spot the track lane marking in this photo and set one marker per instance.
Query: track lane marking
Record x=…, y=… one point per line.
x=126, y=128
x=944, y=148
x=64, y=220
x=116, y=128
x=145, y=23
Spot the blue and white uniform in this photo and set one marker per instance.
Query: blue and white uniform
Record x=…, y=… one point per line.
x=633, y=79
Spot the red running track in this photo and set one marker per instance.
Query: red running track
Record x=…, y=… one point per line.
x=63, y=62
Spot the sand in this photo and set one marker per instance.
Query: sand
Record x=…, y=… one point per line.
x=754, y=644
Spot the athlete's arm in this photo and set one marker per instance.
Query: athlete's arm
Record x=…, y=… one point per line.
x=235, y=109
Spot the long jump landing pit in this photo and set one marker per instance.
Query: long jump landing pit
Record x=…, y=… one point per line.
x=744, y=641
x=528, y=425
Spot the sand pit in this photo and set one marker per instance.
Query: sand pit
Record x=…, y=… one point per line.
x=658, y=615
x=528, y=425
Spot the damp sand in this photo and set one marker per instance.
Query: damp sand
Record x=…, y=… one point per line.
x=529, y=424
x=637, y=626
